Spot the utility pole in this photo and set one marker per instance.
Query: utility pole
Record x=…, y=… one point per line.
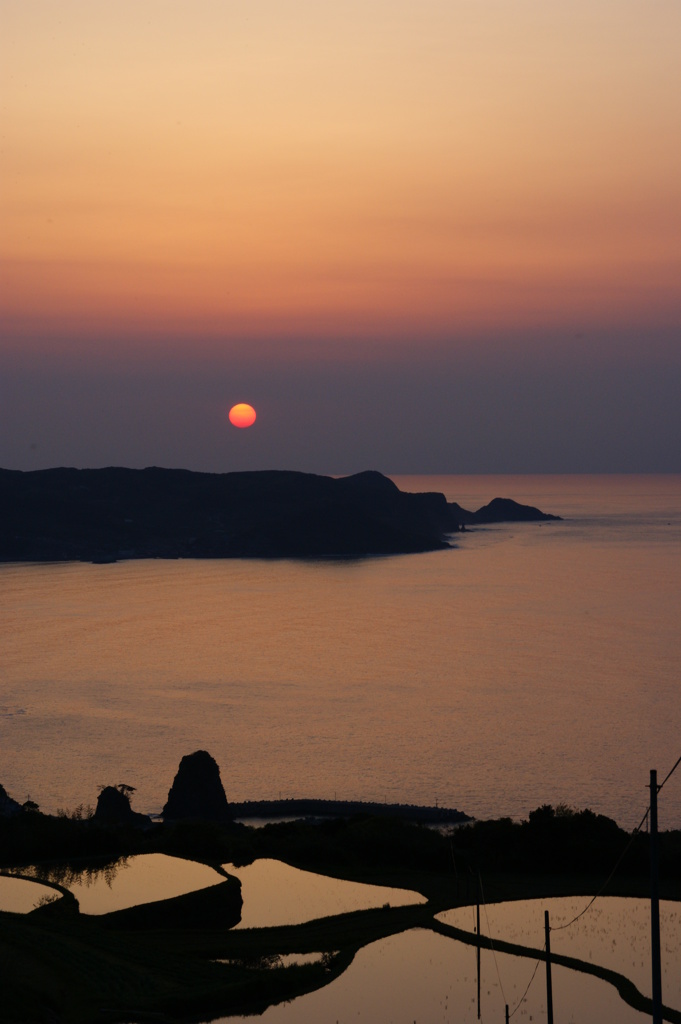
x=477, y=928
x=655, y=904
x=549, y=987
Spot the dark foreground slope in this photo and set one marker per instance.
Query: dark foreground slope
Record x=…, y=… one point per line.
x=106, y=514
x=181, y=961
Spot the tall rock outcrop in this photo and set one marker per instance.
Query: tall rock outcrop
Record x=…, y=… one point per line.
x=113, y=808
x=197, y=790
x=8, y=806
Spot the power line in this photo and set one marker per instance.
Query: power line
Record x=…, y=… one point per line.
x=494, y=952
x=668, y=775
x=522, y=998
x=619, y=860
x=494, y=955
x=560, y=927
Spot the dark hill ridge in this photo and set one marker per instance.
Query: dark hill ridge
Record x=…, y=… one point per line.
x=106, y=514
x=307, y=808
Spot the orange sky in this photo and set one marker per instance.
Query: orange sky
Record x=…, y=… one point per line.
x=417, y=235
x=366, y=169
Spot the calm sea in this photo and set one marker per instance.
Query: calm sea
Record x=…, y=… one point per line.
x=530, y=664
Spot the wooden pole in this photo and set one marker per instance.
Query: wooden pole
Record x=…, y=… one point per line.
x=655, y=904
x=477, y=928
x=507, y=1016
x=549, y=987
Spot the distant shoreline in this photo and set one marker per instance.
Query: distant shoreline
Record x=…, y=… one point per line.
x=346, y=808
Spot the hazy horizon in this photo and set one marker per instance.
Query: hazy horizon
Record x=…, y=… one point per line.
x=434, y=237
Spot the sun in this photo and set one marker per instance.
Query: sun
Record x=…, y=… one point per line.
x=242, y=415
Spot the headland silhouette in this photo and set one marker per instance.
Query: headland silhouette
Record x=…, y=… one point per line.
x=102, y=515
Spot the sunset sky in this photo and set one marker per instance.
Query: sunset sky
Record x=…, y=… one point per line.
x=433, y=236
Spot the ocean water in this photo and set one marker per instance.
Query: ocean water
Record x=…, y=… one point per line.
x=530, y=664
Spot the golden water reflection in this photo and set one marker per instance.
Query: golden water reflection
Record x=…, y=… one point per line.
x=566, y=630
x=20, y=896
x=275, y=893
x=428, y=978
x=614, y=933
x=142, y=879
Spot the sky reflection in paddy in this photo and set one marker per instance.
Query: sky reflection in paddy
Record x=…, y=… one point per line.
x=423, y=977
x=143, y=879
x=275, y=893
x=613, y=933
x=20, y=896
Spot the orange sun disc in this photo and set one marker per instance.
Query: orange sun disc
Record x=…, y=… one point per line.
x=242, y=415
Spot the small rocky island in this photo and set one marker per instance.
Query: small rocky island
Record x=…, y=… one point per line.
x=102, y=515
